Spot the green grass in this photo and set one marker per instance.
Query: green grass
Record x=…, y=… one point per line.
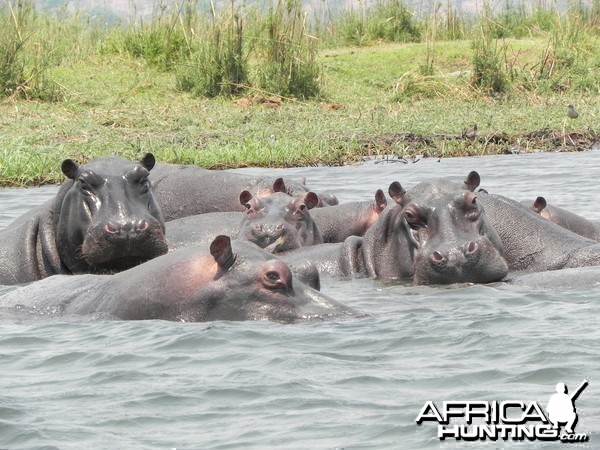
x=402, y=99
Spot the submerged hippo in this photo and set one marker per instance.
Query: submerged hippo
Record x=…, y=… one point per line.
x=277, y=223
x=566, y=219
x=185, y=191
x=226, y=281
x=103, y=218
x=532, y=243
x=348, y=219
x=436, y=233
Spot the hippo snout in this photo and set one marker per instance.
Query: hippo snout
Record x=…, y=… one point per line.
x=131, y=227
x=465, y=251
x=472, y=261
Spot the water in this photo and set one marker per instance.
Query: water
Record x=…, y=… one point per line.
x=352, y=384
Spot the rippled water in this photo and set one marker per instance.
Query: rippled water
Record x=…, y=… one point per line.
x=353, y=384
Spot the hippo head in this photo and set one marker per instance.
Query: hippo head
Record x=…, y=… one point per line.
x=453, y=240
x=106, y=217
x=279, y=222
x=240, y=281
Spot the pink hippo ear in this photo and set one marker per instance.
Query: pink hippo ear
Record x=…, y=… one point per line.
x=148, y=161
x=397, y=192
x=472, y=181
x=279, y=186
x=539, y=204
x=69, y=168
x=380, y=200
x=220, y=249
x=311, y=200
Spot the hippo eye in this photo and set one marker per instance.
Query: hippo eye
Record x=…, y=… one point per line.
x=273, y=280
x=272, y=276
x=473, y=213
x=86, y=189
x=413, y=220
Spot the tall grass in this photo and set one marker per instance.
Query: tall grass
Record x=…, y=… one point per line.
x=288, y=53
x=274, y=49
x=218, y=62
x=250, y=49
x=385, y=20
x=24, y=58
x=162, y=41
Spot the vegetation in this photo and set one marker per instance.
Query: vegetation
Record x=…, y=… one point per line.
x=274, y=87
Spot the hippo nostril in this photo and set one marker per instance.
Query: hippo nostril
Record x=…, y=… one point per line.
x=279, y=227
x=142, y=225
x=471, y=248
x=110, y=228
x=437, y=256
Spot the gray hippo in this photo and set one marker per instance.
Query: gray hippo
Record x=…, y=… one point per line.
x=276, y=222
x=575, y=278
x=532, y=243
x=452, y=237
x=437, y=233
x=566, y=219
x=190, y=190
x=348, y=219
x=224, y=281
x=103, y=218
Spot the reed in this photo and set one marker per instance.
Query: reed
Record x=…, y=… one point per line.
x=218, y=59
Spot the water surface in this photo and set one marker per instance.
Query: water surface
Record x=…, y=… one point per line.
x=351, y=384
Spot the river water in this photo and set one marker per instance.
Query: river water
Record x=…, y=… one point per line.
x=357, y=383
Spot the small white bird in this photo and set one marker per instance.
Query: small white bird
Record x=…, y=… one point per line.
x=572, y=112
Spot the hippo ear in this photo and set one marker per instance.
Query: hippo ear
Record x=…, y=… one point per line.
x=539, y=204
x=397, y=192
x=148, y=161
x=311, y=200
x=472, y=181
x=279, y=186
x=220, y=249
x=245, y=197
x=380, y=200
x=69, y=168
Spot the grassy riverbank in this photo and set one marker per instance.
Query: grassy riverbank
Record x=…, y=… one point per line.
x=401, y=99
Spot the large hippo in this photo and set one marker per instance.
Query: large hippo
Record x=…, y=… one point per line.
x=437, y=233
x=276, y=222
x=103, y=218
x=566, y=219
x=452, y=237
x=226, y=281
x=532, y=243
x=189, y=190
x=348, y=219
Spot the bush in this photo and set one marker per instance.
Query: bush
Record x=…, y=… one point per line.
x=217, y=64
x=288, y=64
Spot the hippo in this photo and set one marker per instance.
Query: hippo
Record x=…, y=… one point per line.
x=435, y=234
x=452, y=236
x=532, y=243
x=566, y=219
x=276, y=222
x=575, y=278
x=226, y=280
x=348, y=219
x=103, y=218
x=190, y=190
